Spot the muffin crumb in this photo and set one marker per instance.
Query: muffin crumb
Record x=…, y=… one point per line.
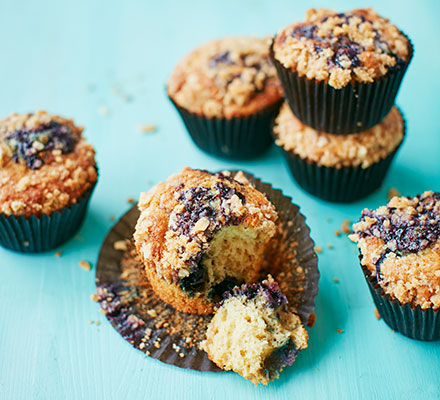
x=85, y=265
x=376, y=313
x=146, y=128
x=318, y=249
x=121, y=245
x=339, y=330
x=58, y=253
x=345, y=227
x=393, y=192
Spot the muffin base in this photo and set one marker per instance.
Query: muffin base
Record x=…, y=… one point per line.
x=235, y=138
x=351, y=109
x=340, y=185
x=40, y=234
x=409, y=321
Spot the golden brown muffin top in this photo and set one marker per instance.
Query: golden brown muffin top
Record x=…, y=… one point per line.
x=342, y=48
x=357, y=149
x=399, y=244
x=45, y=164
x=180, y=216
x=230, y=77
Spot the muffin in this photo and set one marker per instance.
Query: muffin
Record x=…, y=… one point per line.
x=341, y=72
x=400, y=255
x=47, y=175
x=227, y=93
x=199, y=234
x=253, y=332
x=337, y=167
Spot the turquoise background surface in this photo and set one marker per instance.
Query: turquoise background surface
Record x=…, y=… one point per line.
x=68, y=58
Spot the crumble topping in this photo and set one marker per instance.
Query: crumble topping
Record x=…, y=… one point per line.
x=358, y=149
x=339, y=48
x=227, y=77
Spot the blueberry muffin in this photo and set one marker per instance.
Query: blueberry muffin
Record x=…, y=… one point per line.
x=200, y=234
x=47, y=174
x=338, y=167
x=227, y=92
x=253, y=332
x=400, y=253
x=341, y=71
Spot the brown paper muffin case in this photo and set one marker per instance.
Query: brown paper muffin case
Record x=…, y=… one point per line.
x=235, y=138
x=172, y=337
x=409, y=321
x=40, y=234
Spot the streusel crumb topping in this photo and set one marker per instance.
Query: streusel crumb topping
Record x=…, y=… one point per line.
x=342, y=48
x=400, y=245
x=359, y=149
x=226, y=78
x=45, y=164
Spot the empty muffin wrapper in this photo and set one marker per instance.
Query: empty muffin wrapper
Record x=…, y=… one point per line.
x=409, y=321
x=173, y=337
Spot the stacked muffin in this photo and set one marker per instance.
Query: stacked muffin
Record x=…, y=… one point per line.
x=340, y=74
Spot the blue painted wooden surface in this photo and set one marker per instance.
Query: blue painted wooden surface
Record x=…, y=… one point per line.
x=68, y=58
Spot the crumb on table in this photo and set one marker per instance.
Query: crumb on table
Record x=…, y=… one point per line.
x=335, y=280
x=339, y=330
x=393, y=192
x=376, y=313
x=58, y=253
x=318, y=249
x=85, y=265
x=345, y=227
x=146, y=128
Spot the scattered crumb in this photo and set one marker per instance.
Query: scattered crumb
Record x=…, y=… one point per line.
x=147, y=353
x=181, y=355
x=337, y=233
x=97, y=323
x=335, y=280
x=120, y=245
x=330, y=246
x=339, y=330
x=146, y=128
x=345, y=227
x=85, y=265
x=94, y=297
x=376, y=313
x=318, y=249
x=142, y=346
x=91, y=321
x=312, y=320
x=157, y=345
x=58, y=253
x=393, y=192
x=26, y=243
x=103, y=110
x=112, y=217
x=130, y=200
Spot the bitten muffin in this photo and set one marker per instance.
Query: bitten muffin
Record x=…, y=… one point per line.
x=318, y=160
x=399, y=245
x=341, y=71
x=253, y=333
x=227, y=92
x=46, y=166
x=341, y=48
x=199, y=234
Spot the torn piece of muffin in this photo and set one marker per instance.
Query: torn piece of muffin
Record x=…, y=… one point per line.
x=254, y=333
x=399, y=244
x=199, y=234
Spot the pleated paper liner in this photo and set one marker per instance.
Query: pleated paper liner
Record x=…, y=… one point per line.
x=351, y=109
x=339, y=185
x=170, y=336
x=409, y=321
x=235, y=138
x=39, y=234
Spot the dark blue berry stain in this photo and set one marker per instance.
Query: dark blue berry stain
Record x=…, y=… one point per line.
x=273, y=296
x=222, y=58
x=30, y=145
x=282, y=357
x=203, y=202
x=344, y=47
x=405, y=233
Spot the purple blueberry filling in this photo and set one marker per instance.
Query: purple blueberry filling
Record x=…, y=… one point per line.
x=405, y=232
x=202, y=202
x=222, y=58
x=273, y=295
x=282, y=357
x=344, y=46
x=29, y=145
